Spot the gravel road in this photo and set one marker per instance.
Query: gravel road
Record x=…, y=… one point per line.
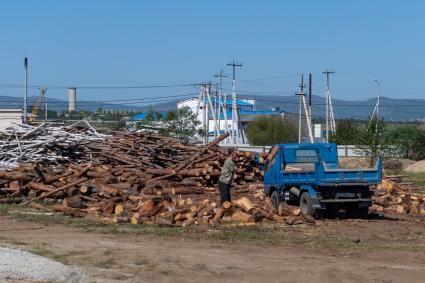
x=21, y=265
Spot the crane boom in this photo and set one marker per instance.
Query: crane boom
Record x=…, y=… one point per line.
x=36, y=108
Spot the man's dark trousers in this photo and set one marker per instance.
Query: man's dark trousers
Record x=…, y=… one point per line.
x=224, y=191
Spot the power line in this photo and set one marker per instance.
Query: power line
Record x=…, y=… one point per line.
x=97, y=87
x=116, y=100
x=271, y=78
x=382, y=74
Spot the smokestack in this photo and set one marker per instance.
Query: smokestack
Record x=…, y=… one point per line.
x=72, y=99
x=25, y=89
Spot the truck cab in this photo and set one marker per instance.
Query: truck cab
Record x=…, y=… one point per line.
x=309, y=175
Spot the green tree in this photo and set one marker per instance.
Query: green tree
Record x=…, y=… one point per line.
x=347, y=132
x=171, y=115
x=268, y=130
x=150, y=116
x=409, y=141
x=184, y=125
x=372, y=142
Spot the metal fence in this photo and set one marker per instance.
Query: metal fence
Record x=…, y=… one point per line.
x=343, y=150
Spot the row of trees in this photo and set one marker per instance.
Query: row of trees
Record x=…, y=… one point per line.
x=268, y=130
x=377, y=138
x=373, y=137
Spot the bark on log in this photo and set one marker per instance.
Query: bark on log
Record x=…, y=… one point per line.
x=382, y=201
x=73, y=201
x=40, y=187
x=218, y=215
x=160, y=172
x=56, y=191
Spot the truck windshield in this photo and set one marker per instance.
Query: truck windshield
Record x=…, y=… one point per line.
x=307, y=155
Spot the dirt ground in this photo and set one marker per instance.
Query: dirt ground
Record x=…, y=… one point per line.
x=380, y=250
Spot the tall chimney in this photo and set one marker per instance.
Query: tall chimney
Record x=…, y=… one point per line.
x=72, y=99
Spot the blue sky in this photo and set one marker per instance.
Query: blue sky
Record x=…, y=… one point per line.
x=134, y=43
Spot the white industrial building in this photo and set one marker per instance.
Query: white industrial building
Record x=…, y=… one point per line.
x=246, y=110
x=10, y=117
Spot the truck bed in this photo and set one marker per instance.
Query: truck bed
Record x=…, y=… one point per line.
x=325, y=176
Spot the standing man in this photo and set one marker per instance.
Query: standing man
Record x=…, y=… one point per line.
x=226, y=177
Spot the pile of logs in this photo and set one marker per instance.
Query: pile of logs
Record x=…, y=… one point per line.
x=48, y=143
x=144, y=178
x=141, y=178
x=393, y=198
x=118, y=194
x=161, y=158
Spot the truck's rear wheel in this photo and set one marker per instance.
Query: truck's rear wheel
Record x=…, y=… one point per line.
x=306, y=204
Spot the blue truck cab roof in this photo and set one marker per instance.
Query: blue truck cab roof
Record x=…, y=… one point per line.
x=310, y=153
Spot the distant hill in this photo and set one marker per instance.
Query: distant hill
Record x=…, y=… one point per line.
x=60, y=105
x=391, y=109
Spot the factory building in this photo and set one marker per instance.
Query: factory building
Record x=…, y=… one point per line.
x=10, y=117
x=246, y=109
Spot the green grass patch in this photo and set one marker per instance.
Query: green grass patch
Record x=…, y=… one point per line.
x=44, y=251
x=417, y=179
x=4, y=208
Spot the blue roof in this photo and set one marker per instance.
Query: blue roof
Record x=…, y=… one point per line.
x=229, y=101
x=142, y=116
x=242, y=112
x=251, y=112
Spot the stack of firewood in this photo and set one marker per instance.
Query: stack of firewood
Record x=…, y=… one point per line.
x=141, y=178
x=122, y=193
x=391, y=197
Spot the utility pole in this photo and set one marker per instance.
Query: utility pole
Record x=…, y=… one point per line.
x=221, y=103
x=199, y=99
x=302, y=105
x=378, y=102
x=26, y=89
x=300, y=94
x=217, y=111
x=210, y=104
x=310, y=108
x=330, y=119
x=235, y=116
x=226, y=120
x=203, y=107
x=45, y=108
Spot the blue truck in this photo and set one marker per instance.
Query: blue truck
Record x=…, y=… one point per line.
x=309, y=175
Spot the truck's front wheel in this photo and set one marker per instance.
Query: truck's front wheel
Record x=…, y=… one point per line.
x=306, y=204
